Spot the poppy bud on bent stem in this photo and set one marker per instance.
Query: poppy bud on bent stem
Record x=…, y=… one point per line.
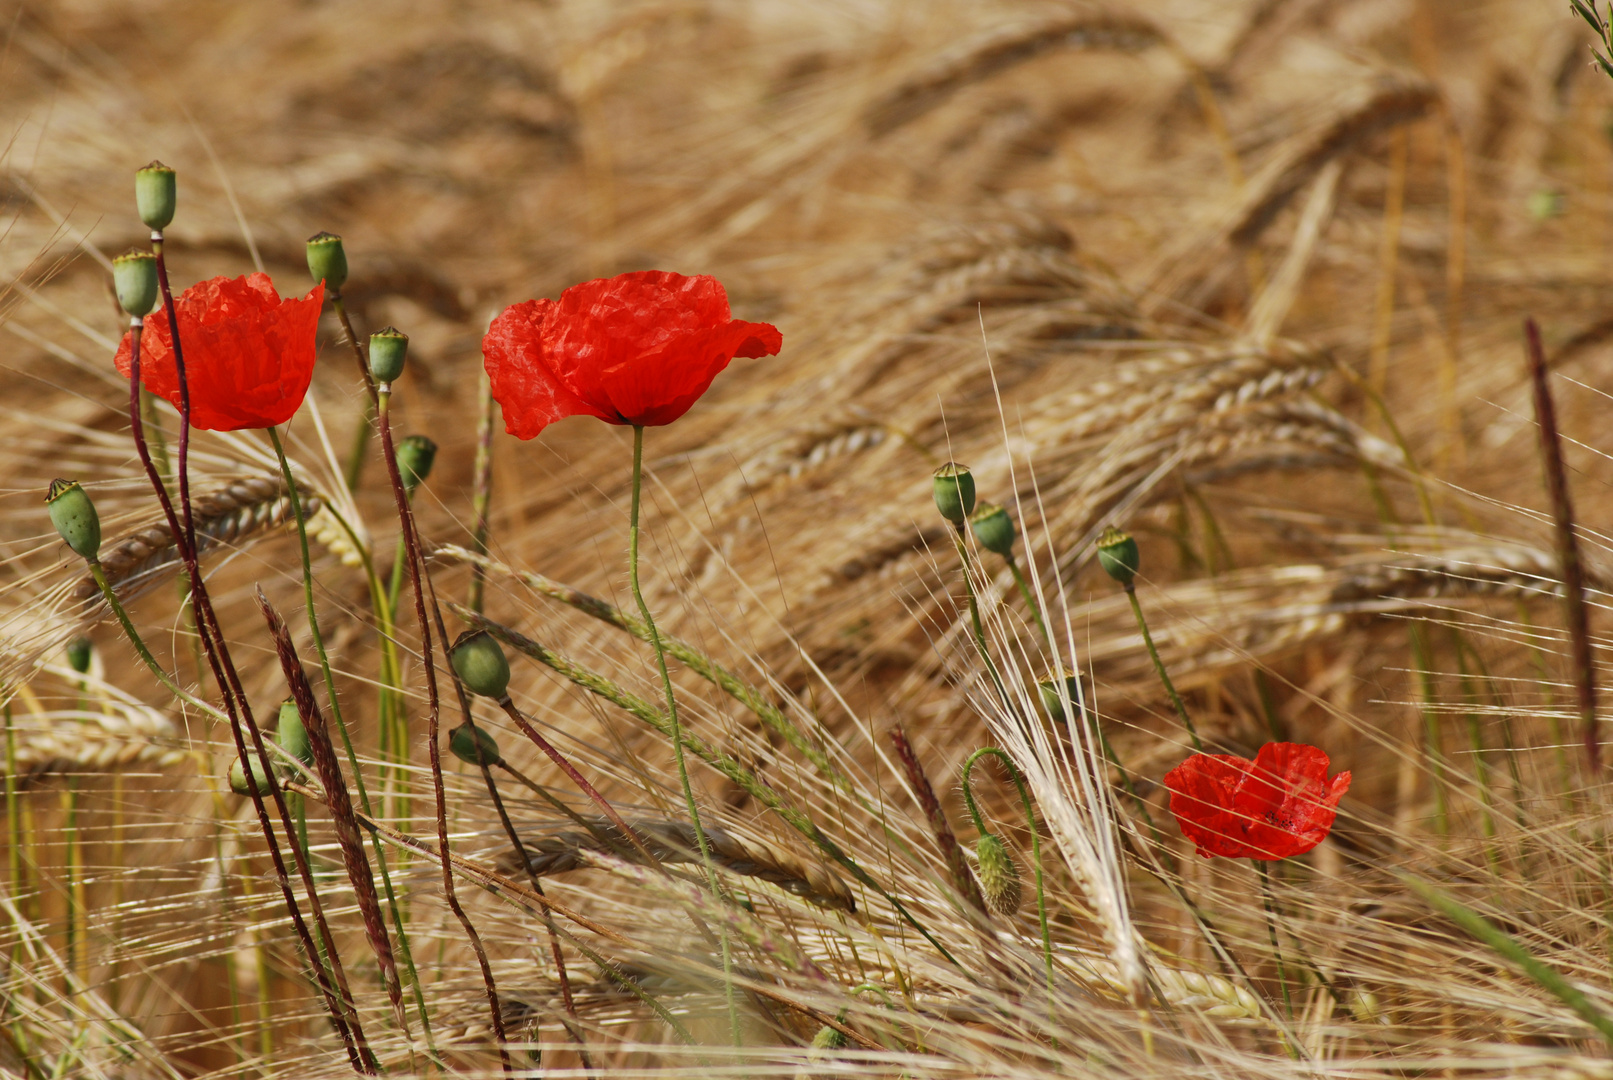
x=80, y=651
x=994, y=529
x=479, y=662
x=1049, y=688
x=327, y=261
x=238, y=776
x=1117, y=554
x=74, y=516
x=999, y=876
x=292, y=735
x=388, y=347
x=156, y=194
x=416, y=454
x=954, y=489
x=465, y=741
x=134, y=277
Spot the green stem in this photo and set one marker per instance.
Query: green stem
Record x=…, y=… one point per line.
x=1030, y=822
x=1271, y=931
x=1509, y=948
x=974, y=617
x=1030, y=600
x=341, y=726
x=1159, y=666
x=672, y=718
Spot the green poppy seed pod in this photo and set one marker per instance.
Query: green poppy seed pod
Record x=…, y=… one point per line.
x=999, y=877
x=327, y=261
x=415, y=457
x=388, y=347
x=829, y=1038
x=156, y=193
x=292, y=735
x=74, y=516
x=1050, y=695
x=954, y=487
x=238, y=775
x=80, y=651
x=993, y=528
x=1117, y=554
x=479, y=662
x=465, y=744
x=134, y=276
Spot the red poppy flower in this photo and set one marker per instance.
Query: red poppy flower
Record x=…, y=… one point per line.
x=1277, y=805
x=249, y=355
x=636, y=349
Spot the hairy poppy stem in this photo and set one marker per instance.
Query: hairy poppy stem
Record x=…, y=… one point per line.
x=1030, y=600
x=1573, y=570
x=434, y=715
x=672, y=717
x=361, y=436
x=481, y=489
x=1159, y=666
x=1271, y=932
x=332, y=983
x=974, y=615
x=1030, y=822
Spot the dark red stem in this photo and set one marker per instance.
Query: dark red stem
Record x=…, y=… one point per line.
x=411, y=545
x=1573, y=570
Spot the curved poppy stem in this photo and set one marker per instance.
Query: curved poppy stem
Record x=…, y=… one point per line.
x=1036, y=839
x=672, y=717
x=1159, y=666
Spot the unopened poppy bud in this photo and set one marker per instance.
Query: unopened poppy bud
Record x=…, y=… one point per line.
x=74, y=516
x=1050, y=695
x=80, y=651
x=465, y=741
x=479, y=662
x=999, y=877
x=415, y=457
x=1117, y=554
x=829, y=1038
x=292, y=735
x=993, y=528
x=388, y=347
x=238, y=776
x=954, y=487
x=134, y=277
x=327, y=261
x=156, y=193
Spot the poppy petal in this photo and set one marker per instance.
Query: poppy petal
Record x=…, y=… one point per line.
x=639, y=348
x=523, y=381
x=249, y=355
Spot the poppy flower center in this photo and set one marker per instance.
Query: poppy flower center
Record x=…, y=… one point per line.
x=1282, y=821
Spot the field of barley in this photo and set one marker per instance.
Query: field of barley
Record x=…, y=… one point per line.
x=1243, y=280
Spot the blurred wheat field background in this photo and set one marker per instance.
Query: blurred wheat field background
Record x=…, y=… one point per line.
x=1246, y=279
